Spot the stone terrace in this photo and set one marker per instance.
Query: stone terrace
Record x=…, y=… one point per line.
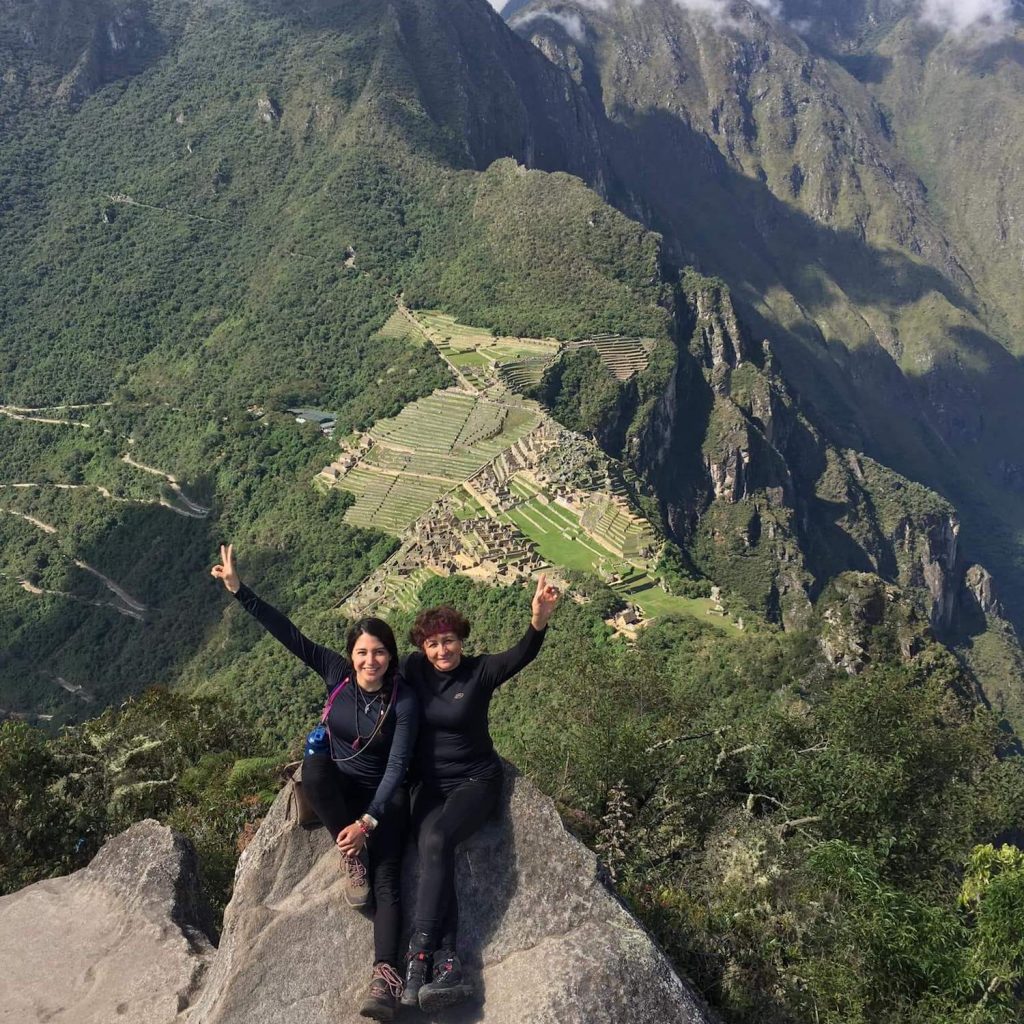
x=404, y=464
x=624, y=357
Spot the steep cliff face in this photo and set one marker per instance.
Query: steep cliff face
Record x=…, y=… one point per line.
x=771, y=159
x=926, y=550
x=66, y=51
x=773, y=509
x=491, y=94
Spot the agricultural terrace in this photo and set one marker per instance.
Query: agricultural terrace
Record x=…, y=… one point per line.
x=518, y=363
x=430, y=447
x=480, y=357
x=399, y=327
x=561, y=539
x=624, y=357
x=402, y=591
x=448, y=334
x=617, y=528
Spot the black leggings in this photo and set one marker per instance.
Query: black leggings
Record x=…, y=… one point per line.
x=441, y=820
x=338, y=800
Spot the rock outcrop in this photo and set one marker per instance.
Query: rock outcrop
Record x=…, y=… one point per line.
x=980, y=587
x=545, y=939
x=124, y=939
x=926, y=546
x=852, y=607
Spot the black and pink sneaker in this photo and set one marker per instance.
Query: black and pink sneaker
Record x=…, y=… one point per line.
x=417, y=971
x=447, y=987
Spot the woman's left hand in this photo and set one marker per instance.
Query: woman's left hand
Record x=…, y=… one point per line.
x=351, y=839
x=544, y=600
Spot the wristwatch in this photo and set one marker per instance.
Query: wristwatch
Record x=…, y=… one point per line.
x=369, y=821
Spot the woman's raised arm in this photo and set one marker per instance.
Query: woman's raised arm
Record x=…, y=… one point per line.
x=501, y=667
x=316, y=656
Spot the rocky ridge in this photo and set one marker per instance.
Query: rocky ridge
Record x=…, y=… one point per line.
x=772, y=509
x=124, y=939
x=871, y=292
x=546, y=940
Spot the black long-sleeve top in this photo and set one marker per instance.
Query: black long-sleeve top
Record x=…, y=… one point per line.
x=383, y=761
x=454, y=740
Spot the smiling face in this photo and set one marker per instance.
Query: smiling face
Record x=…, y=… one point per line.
x=370, y=659
x=443, y=651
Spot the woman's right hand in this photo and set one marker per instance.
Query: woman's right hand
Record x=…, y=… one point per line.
x=225, y=572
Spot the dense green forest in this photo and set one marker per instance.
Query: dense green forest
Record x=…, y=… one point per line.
x=211, y=225
x=205, y=240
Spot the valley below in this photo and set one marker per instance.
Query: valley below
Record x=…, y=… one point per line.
x=708, y=311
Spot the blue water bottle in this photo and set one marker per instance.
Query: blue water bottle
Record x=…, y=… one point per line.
x=317, y=742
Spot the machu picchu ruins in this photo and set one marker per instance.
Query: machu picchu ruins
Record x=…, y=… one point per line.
x=479, y=480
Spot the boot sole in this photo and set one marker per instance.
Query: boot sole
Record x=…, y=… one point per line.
x=377, y=1012
x=433, y=999
x=357, y=901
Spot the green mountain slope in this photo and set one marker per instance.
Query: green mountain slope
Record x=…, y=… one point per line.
x=216, y=233
x=764, y=161
x=215, y=213
x=214, y=221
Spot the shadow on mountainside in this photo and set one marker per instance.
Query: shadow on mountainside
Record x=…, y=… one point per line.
x=158, y=559
x=833, y=305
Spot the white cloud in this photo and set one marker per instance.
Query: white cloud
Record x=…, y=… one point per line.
x=962, y=15
x=718, y=11
x=569, y=20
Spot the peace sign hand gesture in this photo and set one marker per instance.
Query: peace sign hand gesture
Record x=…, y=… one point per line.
x=544, y=600
x=225, y=572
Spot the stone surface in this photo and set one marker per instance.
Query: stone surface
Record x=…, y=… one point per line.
x=548, y=942
x=122, y=940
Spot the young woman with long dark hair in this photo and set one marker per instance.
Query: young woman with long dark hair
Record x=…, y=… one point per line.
x=457, y=778
x=354, y=768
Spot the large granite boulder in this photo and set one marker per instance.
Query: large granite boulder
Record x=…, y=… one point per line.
x=547, y=940
x=123, y=940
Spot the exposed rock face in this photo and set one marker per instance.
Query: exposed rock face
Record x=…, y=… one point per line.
x=267, y=110
x=979, y=584
x=721, y=340
x=120, y=940
x=854, y=604
x=550, y=943
x=124, y=939
x=929, y=546
x=775, y=510
x=120, y=46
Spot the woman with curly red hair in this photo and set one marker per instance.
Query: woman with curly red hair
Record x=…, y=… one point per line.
x=458, y=778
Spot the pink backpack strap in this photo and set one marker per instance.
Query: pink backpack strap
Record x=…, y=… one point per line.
x=330, y=700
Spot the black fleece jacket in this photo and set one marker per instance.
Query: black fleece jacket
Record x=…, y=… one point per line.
x=381, y=763
x=454, y=740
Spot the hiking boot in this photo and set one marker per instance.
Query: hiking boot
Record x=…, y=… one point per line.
x=447, y=987
x=417, y=974
x=382, y=999
x=356, y=885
